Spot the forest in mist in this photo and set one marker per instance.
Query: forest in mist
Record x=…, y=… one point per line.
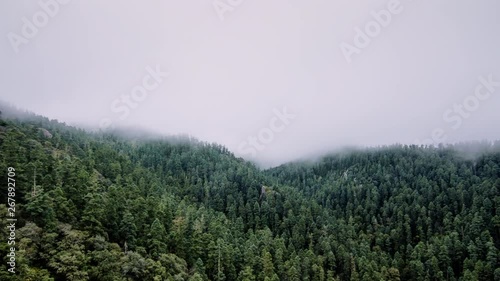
x=234, y=140
x=100, y=206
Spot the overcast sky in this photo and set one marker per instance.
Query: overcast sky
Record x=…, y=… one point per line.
x=271, y=80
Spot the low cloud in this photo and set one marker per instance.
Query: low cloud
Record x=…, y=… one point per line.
x=234, y=63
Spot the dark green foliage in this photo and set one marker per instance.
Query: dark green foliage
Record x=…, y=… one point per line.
x=96, y=206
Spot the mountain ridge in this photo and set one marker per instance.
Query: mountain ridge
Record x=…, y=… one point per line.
x=98, y=206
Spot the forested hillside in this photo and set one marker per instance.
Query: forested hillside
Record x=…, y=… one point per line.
x=99, y=206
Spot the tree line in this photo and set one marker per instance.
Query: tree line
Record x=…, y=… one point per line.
x=101, y=206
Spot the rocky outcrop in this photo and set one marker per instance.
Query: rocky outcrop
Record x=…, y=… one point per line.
x=46, y=133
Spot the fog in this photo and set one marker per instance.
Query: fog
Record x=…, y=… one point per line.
x=271, y=80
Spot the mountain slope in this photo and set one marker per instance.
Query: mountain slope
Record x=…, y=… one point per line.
x=97, y=206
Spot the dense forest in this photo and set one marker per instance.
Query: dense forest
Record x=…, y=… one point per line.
x=105, y=206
